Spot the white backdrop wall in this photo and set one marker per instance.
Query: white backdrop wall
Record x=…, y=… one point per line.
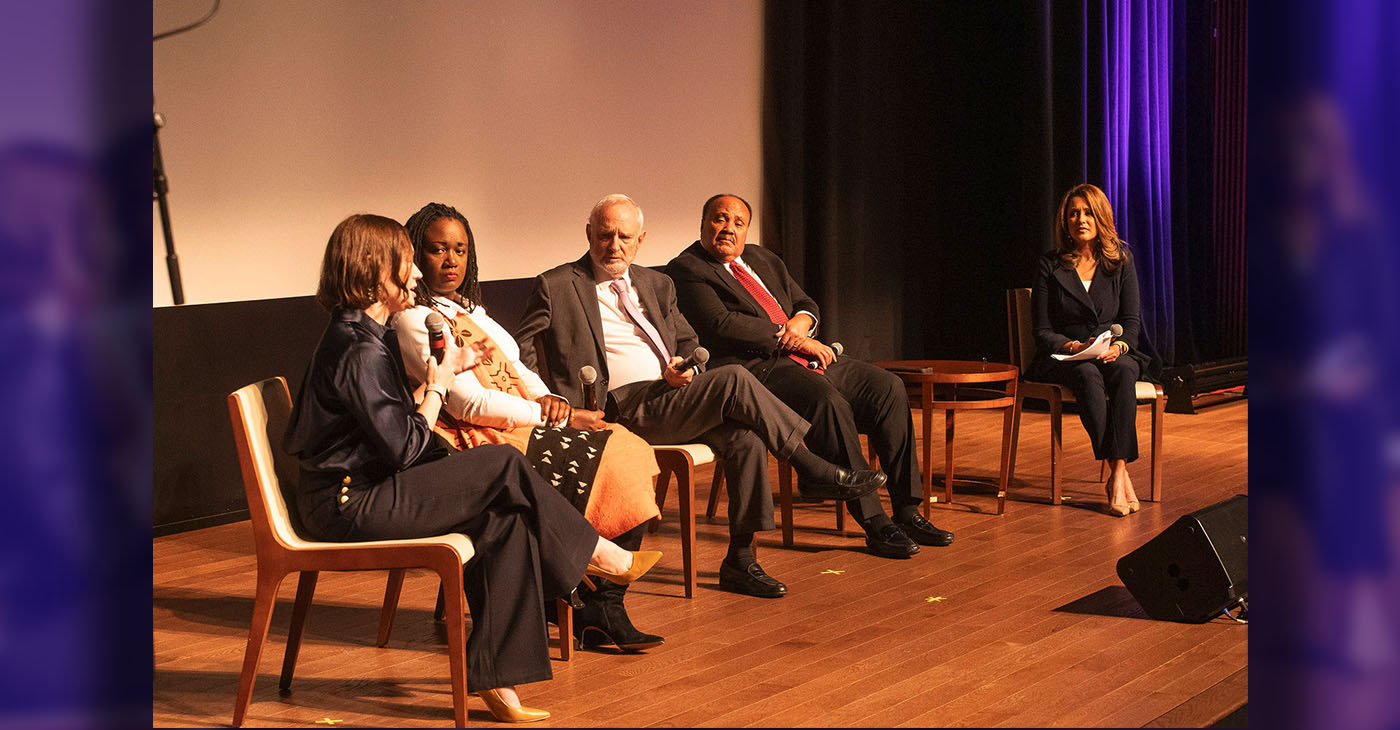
x=285, y=116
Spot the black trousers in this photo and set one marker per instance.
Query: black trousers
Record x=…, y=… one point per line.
x=850, y=398
x=531, y=545
x=1105, y=395
x=728, y=410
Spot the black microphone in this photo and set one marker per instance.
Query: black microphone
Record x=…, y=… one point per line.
x=698, y=356
x=588, y=376
x=437, y=343
x=836, y=347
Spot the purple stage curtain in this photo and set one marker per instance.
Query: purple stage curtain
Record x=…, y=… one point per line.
x=1134, y=110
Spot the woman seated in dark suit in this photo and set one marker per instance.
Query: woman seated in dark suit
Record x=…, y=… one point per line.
x=372, y=469
x=1082, y=288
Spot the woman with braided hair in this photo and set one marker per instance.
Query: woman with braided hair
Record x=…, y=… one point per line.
x=605, y=470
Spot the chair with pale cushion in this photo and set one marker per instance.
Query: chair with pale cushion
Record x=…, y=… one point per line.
x=1022, y=346
x=260, y=413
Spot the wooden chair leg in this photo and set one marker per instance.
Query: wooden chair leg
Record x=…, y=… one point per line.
x=565, y=611
x=685, y=493
x=785, y=504
x=663, y=482
x=1056, y=447
x=1018, y=401
x=1159, y=415
x=948, y=456
x=1007, y=430
x=716, y=486
x=454, y=605
x=391, y=605
x=263, y=602
x=306, y=588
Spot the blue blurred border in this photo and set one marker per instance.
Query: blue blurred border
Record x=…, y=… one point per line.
x=75, y=371
x=1324, y=359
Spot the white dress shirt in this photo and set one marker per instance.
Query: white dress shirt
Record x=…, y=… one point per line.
x=630, y=357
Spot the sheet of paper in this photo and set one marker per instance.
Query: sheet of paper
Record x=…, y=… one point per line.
x=1098, y=347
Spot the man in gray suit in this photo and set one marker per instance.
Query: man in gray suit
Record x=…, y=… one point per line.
x=621, y=320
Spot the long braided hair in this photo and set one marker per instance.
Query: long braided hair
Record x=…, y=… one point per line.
x=470, y=288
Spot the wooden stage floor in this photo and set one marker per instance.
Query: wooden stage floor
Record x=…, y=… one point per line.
x=1021, y=622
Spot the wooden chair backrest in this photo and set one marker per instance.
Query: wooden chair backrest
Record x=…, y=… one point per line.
x=1018, y=327
x=260, y=413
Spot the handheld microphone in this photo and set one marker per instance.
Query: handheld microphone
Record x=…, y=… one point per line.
x=698, y=356
x=836, y=347
x=437, y=343
x=588, y=376
x=1115, y=329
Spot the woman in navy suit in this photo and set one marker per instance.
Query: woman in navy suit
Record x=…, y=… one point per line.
x=1082, y=288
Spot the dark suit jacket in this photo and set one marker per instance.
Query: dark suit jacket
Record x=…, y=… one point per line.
x=1062, y=311
x=563, y=311
x=728, y=319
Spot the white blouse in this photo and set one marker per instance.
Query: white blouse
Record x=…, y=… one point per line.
x=467, y=399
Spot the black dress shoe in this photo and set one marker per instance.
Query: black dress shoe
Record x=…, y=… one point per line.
x=923, y=532
x=749, y=580
x=849, y=484
x=891, y=542
x=604, y=622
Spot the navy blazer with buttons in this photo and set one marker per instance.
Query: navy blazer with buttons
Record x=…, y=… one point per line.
x=1062, y=311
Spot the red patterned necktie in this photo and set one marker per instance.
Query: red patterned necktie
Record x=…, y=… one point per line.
x=771, y=306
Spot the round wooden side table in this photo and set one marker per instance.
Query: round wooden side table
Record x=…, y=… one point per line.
x=952, y=386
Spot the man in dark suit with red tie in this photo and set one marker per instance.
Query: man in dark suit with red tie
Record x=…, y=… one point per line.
x=601, y=311
x=747, y=309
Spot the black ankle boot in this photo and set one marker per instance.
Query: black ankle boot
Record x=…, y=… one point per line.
x=603, y=620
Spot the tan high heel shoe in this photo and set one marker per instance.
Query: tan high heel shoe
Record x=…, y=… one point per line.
x=1115, y=509
x=506, y=713
x=642, y=561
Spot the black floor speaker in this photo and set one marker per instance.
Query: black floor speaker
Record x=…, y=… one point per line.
x=1195, y=568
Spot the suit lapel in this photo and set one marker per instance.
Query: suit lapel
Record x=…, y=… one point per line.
x=1069, y=279
x=770, y=277
x=652, y=309
x=1103, y=294
x=584, y=288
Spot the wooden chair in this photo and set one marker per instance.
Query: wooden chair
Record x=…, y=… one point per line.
x=680, y=460
x=1022, y=346
x=260, y=413
x=784, y=498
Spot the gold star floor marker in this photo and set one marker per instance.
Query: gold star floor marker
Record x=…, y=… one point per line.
x=829, y=571
x=327, y=721
x=934, y=599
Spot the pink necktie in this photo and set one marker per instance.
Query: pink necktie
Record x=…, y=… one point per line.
x=633, y=313
x=770, y=305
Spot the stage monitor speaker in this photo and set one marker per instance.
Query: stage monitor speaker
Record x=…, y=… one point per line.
x=1196, y=568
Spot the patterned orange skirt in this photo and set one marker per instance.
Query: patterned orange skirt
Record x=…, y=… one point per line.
x=607, y=474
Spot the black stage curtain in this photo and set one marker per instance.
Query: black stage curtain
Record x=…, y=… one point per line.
x=914, y=153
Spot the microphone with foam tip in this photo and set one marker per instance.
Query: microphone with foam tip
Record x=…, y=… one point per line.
x=698, y=356
x=437, y=342
x=1115, y=329
x=836, y=347
x=587, y=376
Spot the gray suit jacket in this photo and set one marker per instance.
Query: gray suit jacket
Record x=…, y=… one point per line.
x=562, y=317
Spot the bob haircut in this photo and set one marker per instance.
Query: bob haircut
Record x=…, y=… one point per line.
x=363, y=250
x=418, y=223
x=1108, y=247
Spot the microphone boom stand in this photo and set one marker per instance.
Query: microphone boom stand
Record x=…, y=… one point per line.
x=162, y=188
